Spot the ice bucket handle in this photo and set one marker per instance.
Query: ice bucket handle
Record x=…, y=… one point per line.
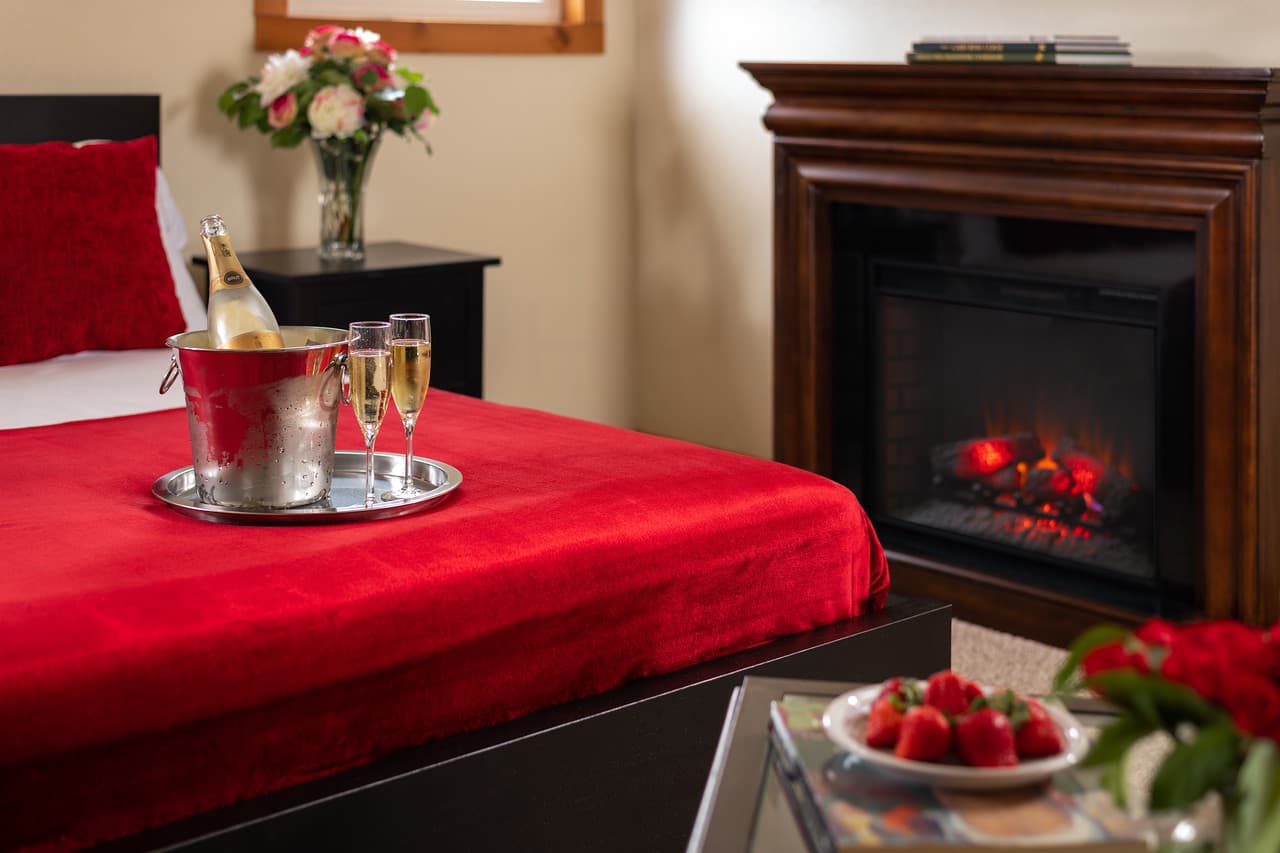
x=339, y=364
x=171, y=375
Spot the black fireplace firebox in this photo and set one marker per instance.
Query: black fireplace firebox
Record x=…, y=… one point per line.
x=1016, y=395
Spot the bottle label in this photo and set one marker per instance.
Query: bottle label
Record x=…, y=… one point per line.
x=224, y=268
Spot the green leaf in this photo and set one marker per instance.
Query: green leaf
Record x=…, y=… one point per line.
x=1164, y=703
x=418, y=136
x=1085, y=643
x=1112, y=781
x=1115, y=740
x=409, y=76
x=415, y=100
x=227, y=101
x=431, y=104
x=1195, y=767
x=332, y=76
x=289, y=137
x=251, y=110
x=1267, y=838
x=1258, y=789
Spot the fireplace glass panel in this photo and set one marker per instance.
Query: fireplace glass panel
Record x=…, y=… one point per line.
x=1013, y=396
x=1027, y=431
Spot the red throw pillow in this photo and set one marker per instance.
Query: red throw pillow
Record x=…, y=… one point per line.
x=82, y=265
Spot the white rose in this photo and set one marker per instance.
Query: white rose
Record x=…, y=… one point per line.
x=336, y=111
x=282, y=72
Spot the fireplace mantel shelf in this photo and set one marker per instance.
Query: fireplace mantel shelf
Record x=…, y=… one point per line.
x=1190, y=150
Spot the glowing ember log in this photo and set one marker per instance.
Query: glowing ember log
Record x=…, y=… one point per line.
x=974, y=458
x=1048, y=485
x=1007, y=479
x=1097, y=481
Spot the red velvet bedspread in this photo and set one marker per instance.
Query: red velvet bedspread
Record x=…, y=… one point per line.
x=153, y=665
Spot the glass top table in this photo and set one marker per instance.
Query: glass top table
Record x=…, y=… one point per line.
x=744, y=807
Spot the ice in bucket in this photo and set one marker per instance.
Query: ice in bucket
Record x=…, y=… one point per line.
x=262, y=422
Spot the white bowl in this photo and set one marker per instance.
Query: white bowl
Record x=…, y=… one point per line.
x=845, y=721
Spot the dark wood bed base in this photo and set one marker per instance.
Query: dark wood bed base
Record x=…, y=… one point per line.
x=620, y=771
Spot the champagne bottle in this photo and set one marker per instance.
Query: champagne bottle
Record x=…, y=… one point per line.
x=239, y=318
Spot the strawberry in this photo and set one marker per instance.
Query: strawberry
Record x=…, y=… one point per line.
x=946, y=692
x=884, y=722
x=892, y=687
x=924, y=735
x=1038, y=736
x=907, y=690
x=985, y=738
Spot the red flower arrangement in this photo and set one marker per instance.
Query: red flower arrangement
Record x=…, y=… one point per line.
x=1214, y=687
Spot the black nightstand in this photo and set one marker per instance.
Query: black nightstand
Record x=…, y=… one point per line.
x=304, y=291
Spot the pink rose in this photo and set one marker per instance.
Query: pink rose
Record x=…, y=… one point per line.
x=345, y=43
x=382, y=53
x=283, y=110
x=381, y=78
x=319, y=37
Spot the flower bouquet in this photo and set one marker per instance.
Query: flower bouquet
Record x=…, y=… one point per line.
x=342, y=90
x=1213, y=688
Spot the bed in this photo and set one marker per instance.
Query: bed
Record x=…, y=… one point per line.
x=540, y=662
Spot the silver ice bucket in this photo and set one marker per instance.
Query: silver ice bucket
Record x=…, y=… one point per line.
x=262, y=422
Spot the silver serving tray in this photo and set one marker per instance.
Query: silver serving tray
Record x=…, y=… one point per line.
x=346, y=497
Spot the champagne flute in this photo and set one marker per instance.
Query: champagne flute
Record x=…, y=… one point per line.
x=369, y=366
x=410, y=377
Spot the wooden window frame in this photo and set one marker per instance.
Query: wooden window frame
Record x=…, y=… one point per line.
x=580, y=30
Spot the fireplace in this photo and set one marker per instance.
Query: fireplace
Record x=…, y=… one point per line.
x=1024, y=315
x=1015, y=392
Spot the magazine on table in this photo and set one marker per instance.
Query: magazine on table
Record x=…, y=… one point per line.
x=845, y=804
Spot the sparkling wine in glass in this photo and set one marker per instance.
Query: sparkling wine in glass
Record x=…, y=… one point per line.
x=410, y=378
x=369, y=369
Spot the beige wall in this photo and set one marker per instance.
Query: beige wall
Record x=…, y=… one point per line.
x=704, y=170
x=532, y=162
x=628, y=194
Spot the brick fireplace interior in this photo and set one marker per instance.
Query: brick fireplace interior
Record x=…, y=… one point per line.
x=1024, y=314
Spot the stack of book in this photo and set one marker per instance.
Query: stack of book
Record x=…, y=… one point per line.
x=1042, y=50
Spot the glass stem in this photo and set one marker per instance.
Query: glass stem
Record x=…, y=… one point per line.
x=369, y=497
x=408, y=457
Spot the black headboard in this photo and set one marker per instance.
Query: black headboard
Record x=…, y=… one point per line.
x=48, y=118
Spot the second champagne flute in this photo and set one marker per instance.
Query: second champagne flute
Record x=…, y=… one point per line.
x=410, y=378
x=369, y=365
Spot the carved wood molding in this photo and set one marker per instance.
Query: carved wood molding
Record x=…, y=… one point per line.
x=1214, y=112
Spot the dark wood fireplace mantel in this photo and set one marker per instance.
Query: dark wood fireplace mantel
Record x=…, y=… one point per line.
x=1184, y=149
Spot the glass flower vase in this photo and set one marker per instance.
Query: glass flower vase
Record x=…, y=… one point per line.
x=342, y=168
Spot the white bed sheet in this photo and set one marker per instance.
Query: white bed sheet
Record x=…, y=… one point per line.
x=86, y=385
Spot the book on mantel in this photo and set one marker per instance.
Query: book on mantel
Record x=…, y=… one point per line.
x=844, y=805
x=1042, y=50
